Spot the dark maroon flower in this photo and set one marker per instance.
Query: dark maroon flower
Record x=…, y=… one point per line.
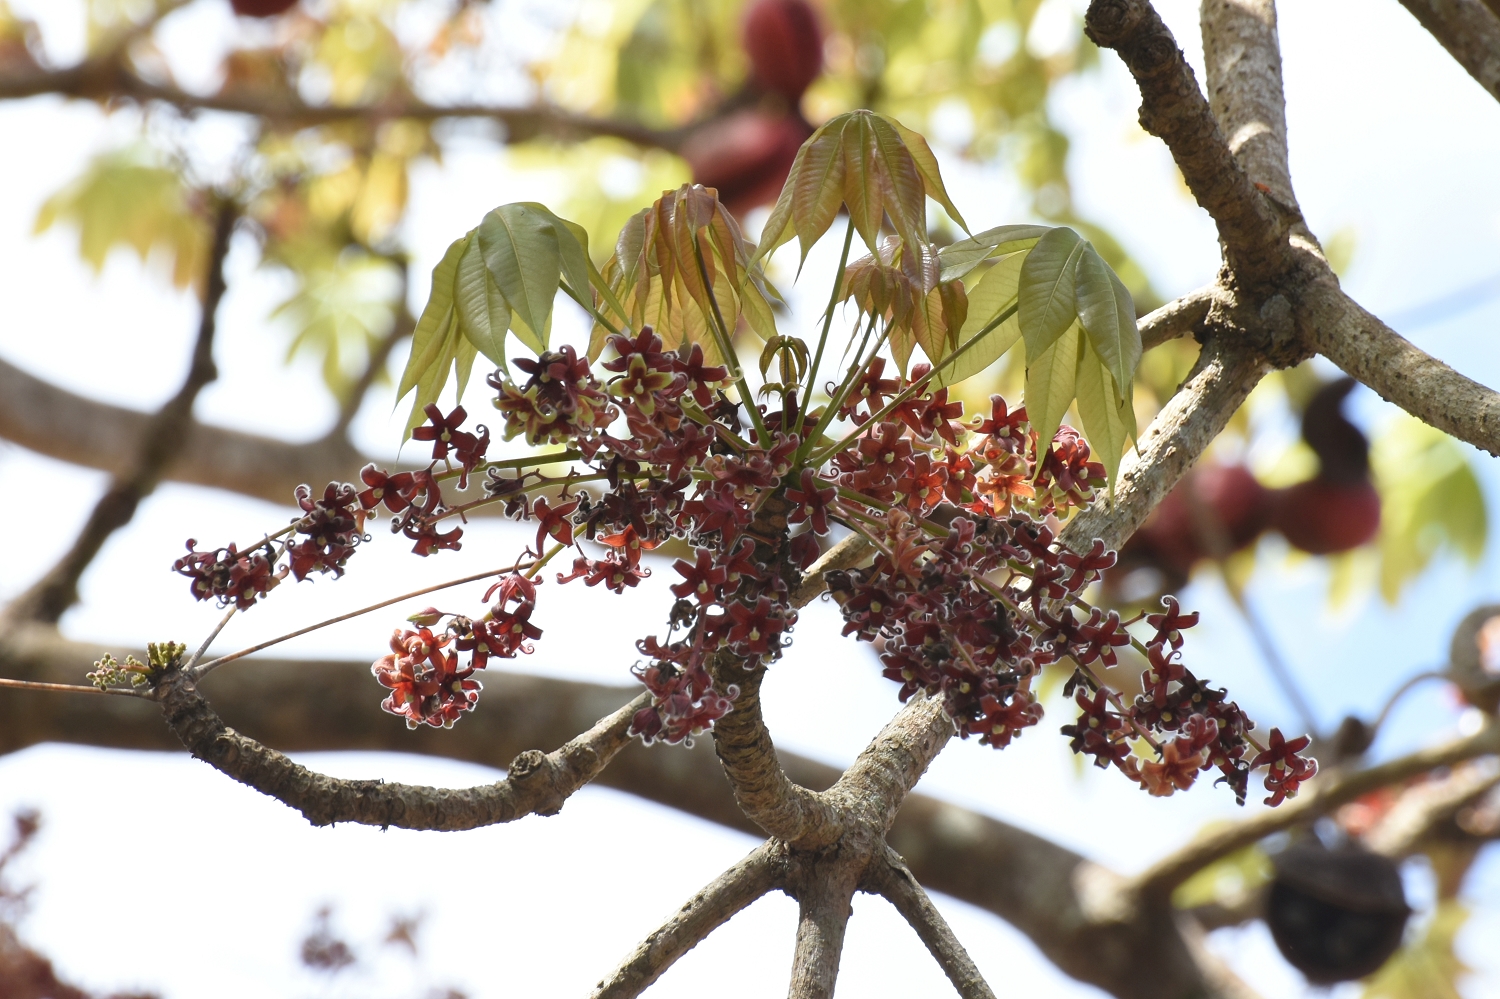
x=554, y=522
x=700, y=579
x=810, y=502
x=1285, y=769
x=426, y=685
x=392, y=490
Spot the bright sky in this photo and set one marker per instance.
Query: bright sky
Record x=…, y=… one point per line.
x=1404, y=157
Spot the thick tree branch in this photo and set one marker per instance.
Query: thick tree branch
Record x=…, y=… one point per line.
x=893, y=880
x=1251, y=228
x=162, y=437
x=1342, y=331
x=108, y=78
x=1470, y=32
x=538, y=782
x=1243, y=61
x=823, y=887
x=760, y=872
x=1326, y=793
x=880, y=778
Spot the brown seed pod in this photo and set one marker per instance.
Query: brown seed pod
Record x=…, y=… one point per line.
x=1336, y=915
x=785, y=45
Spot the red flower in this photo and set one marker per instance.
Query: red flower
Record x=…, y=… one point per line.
x=426, y=685
x=701, y=380
x=613, y=571
x=700, y=580
x=1286, y=770
x=554, y=522
x=811, y=502
x=1174, y=772
x=392, y=490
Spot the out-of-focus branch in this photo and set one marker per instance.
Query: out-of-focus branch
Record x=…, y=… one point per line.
x=1470, y=32
x=538, y=782
x=1325, y=793
x=894, y=882
x=161, y=439
x=760, y=872
x=108, y=78
x=401, y=328
x=1422, y=808
x=1251, y=229
x=59, y=424
x=1342, y=331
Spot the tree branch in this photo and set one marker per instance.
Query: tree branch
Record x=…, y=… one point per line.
x=1173, y=109
x=823, y=888
x=161, y=438
x=1326, y=793
x=893, y=880
x=1469, y=31
x=1359, y=343
x=760, y=872
x=538, y=782
x=108, y=78
x=1177, y=318
x=1242, y=58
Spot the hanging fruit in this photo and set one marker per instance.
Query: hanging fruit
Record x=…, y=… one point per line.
x=745, y=156
x=1338, y=509
x=785, y=43
x=1214, y=511
x=1336, y=915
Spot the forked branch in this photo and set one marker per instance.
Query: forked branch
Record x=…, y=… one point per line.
x=764, y=870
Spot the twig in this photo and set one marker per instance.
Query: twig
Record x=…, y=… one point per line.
x=1272, y=657
x=1175, y=319
x=214, y=664
x=1469, y=31
x=67, y=688
x=893, y=880
x=1400, y=692
x=192, y=660
x=762, y=871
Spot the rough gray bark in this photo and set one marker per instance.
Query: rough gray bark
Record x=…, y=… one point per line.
x=894, y=882
x=1470, y=31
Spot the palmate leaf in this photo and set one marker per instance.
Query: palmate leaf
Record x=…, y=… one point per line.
x=522, y=252
x=867, y=163
x=482, y=312
x=435, y=341
x=960, y=258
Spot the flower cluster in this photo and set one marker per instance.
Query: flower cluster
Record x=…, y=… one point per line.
x=229, y=575
x=427, y=683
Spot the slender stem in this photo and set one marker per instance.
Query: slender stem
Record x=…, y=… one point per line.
x=914, y=387
x=833, y=300
x=214, y=664
x=1401, y=692
x=840, y=394
x=69, y=688
x=589, y=308
x=551, y=458
x=541, y=563
x=726, y=347
x=210, y=639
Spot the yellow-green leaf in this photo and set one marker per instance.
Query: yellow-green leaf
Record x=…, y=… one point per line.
x=1107, y=314
x=1107, y=414
x=1050, y=381
x=927, y=167
x=959, y=258
x=523, y=253
x=816, y=187
x=433, y=325
x=482, y=312
x=1046, y=291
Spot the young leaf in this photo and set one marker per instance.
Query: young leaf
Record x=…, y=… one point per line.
x=482, y=313
x=1107, y=313
x=816, y=187
x=903, y=191
x=521, y=249
x=927, y=167
x=959, y=258
x=991, y=295
x=433, y=325
x=1106, y=413
x=430, y=385
x=1050, y=382
x=1046, y=291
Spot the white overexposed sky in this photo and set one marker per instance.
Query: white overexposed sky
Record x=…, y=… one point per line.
x=1388, y=138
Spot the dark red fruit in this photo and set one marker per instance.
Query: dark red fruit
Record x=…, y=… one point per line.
x=1215, y=510
x=745, y=156
x=785, y=45
x=1336, y=915
x=261, y=8
x=1323, y=517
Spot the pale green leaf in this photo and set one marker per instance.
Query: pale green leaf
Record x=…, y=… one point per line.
x=927, y=167
x=816, y=186
x=896, y=171
x=436, y=319
x=991, y=295
x=1107, y=414
x=521, y=249
x=1046, y=291
x=1050, y=381
x=432, y=380
x=482, y=312
x=1107, y=314
x=862, y=190
x=958, y=259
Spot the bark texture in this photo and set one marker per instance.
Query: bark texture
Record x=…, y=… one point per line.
x=1470, y=31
